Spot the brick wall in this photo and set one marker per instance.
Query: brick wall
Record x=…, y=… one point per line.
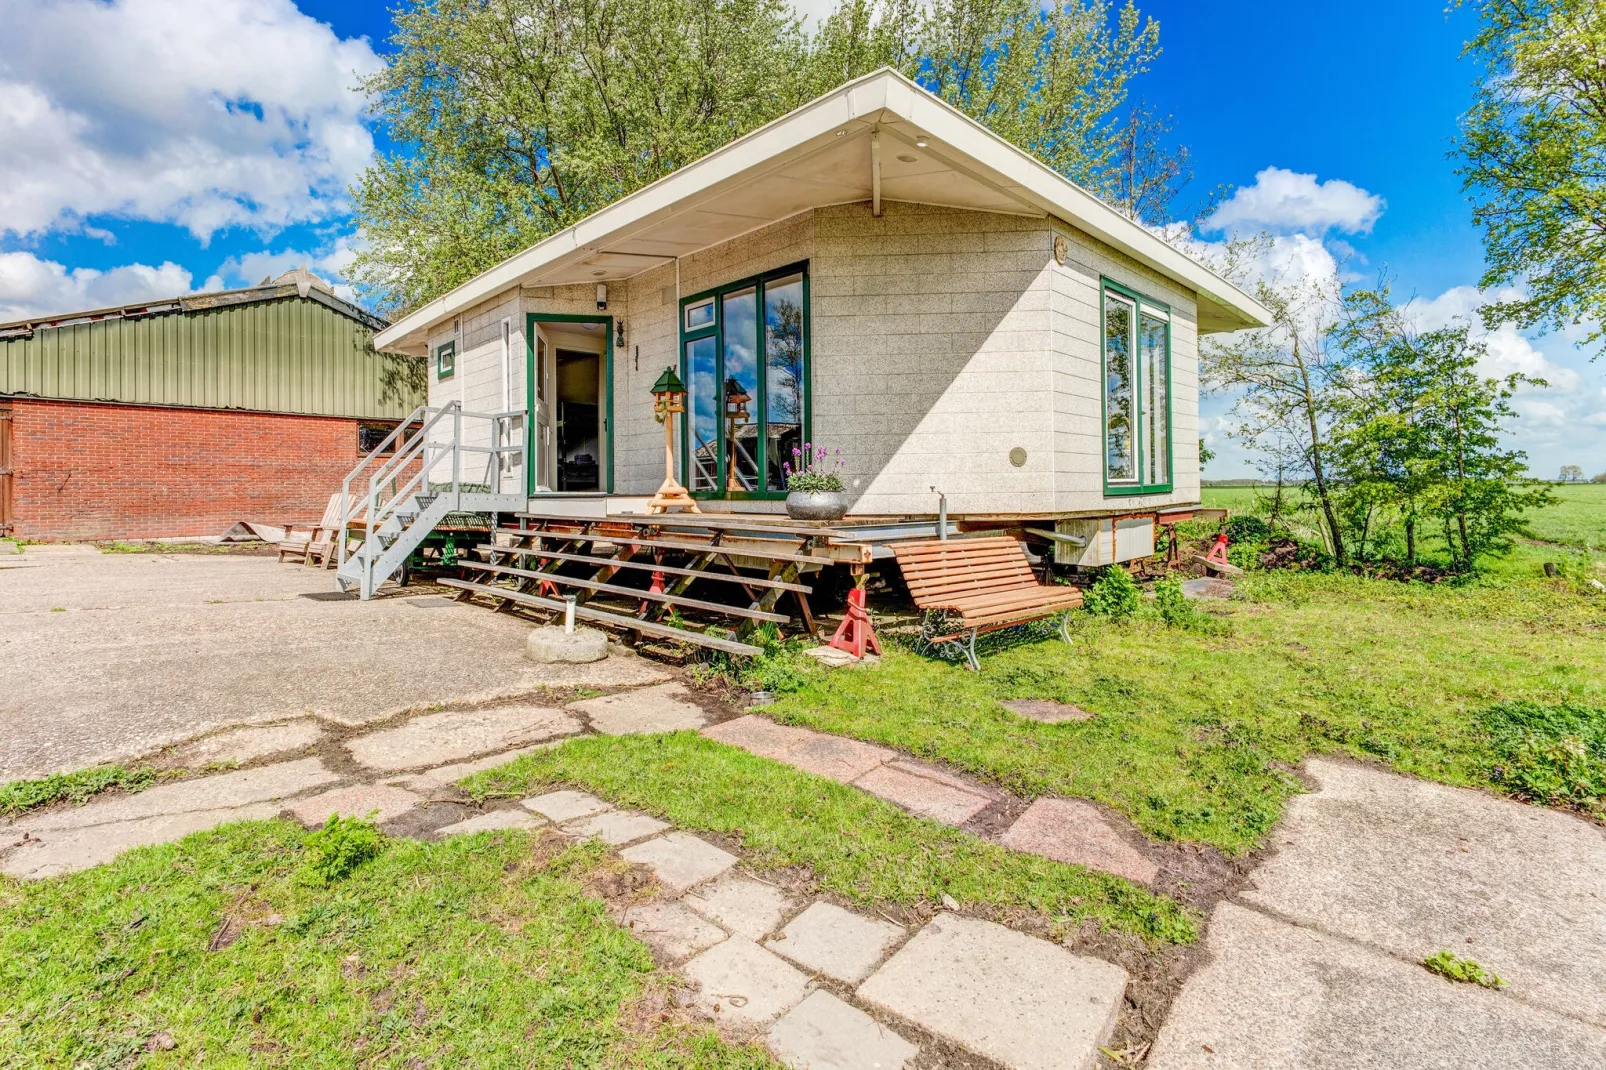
x=97, y=471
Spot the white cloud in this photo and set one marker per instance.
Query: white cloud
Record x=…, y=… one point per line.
x=330, y=263
x=1508, y=351
x=204, y=113
x=1287, y=201
x=31, y=287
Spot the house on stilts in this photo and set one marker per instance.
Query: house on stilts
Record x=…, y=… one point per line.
x=991, y=348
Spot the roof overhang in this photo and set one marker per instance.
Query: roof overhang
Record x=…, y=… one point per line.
x=878, y=137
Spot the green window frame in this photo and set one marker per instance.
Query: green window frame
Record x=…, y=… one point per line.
x=1135, y=397
x=747, y=338
x=446, y=360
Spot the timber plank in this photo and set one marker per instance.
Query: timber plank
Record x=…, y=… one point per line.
x=648, y=566
x=618, y=620
x=630, y=592
x=734, y=549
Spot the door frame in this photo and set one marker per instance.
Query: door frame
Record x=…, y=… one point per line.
x=606, y=431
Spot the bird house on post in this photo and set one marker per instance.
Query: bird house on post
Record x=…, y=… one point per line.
x=668, y=399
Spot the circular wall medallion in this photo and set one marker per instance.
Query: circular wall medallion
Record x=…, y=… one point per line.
x=1062, y=249
x=1017, y=457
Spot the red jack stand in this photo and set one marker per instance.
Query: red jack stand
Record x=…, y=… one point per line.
x=1218, y=552
x=856, y=632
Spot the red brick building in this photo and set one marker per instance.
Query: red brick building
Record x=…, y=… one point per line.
x=181, y=417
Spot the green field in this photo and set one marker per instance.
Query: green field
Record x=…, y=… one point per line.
x=1578, y=520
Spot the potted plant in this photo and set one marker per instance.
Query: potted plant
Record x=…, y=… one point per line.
x=814, y=484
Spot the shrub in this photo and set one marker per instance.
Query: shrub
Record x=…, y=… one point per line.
x=1113, y=594
x=781, y=667
x=343, y=844
x=1550, y=754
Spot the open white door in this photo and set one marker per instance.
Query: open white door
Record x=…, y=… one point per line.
x=546, y=439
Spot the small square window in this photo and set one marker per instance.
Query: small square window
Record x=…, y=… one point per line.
x=700, y=314
x=446, y=360
x=371, y=435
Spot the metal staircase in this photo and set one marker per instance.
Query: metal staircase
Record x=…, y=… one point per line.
x=440, y=461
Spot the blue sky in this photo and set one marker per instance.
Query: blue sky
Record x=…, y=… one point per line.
x=224, y=156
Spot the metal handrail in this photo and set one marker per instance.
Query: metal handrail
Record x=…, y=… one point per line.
x=419, y=446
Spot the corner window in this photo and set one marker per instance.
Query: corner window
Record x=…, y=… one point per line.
x=445, y=360
x=1137, y=393
x=744, y=351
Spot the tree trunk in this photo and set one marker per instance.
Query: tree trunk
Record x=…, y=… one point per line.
x=1316, y=459
x=1410, y=540
x=1461, y=491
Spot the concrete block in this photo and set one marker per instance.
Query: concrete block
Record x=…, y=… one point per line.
x=744, y=985
x=838, y=943
x=745, y=906
x=440, y=738
x=249, y=743
x=565, y=805
x=513, y=818
x=671, y=929
x=680, y=860
x=615, y=827
x=370, y=802
x=552, y=645
x=824, y=1033
x=921, y=795
x=68, y=850
x=650, y=709
x=1023, y=1002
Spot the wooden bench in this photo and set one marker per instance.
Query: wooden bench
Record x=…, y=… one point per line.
x=316, y=543
x=971, y=586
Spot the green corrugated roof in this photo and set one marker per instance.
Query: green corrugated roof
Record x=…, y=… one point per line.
x=282, y=347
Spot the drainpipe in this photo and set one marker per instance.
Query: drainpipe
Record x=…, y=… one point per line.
x=942, y=514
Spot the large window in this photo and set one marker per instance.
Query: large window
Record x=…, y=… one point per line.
x=1137, y=393
x=744, y=353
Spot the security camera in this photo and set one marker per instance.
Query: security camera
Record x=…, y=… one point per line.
x=602, y=297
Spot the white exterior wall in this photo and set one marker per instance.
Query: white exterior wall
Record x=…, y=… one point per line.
x=1078, y=377
x=940, y=341
x=477, y=379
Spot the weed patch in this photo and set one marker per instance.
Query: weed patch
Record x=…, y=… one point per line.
x=1465, y=971
x=340, y=846
x=20, y=796
x=1553, y=754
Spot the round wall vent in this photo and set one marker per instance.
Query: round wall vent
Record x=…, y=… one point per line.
x=1017, y=457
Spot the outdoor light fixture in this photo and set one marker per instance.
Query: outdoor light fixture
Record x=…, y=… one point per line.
x=920, y=142
x=669, y=398
x=619, y=332
x=602, y=297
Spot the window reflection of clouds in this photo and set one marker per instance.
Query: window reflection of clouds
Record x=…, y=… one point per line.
x=703, y=387
x=1118, y=423
x=783, y=375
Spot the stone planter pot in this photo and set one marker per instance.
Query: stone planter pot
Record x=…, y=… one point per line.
x=816, y=504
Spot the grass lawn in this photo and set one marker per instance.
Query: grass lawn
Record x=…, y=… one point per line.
x=1195, y=733
x=855, y=844
x=480, y=951
x=1578, y=520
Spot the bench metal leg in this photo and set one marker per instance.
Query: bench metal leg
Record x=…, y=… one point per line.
x=1064, y=623
x=972, y=662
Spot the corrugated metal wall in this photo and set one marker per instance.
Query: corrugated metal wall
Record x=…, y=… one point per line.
x=287, y=355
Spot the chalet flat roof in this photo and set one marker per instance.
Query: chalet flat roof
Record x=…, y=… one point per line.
x=879, y=135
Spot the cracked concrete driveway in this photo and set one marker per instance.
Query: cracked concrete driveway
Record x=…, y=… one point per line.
x=111, y=656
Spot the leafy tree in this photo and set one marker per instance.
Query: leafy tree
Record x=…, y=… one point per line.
x=516, y=118
x=1572, y=473
x=1533, y=158
x=1286, y=376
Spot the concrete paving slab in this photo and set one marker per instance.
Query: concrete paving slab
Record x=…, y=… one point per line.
x=513, y=818
x=662, y=708
x=922, y=795
x=838, y=943
x=446, y=776
x=1069, y=830
x=224, y=790
x=680, y=860
x=824, y=1033
x=1276, y=995
x=68, y=850
x=179, y=645
x=744, y=985
x=836, y=658
x=440, y=738
x=1046, y=711
x=672, y=929
x=616, y=827
x=758, y=735
x=371, y=802
x=745, y=906
x=843, y=760
x=1411, y=867
x=1024, y=1002
x=565, y=805
x=248, y=744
